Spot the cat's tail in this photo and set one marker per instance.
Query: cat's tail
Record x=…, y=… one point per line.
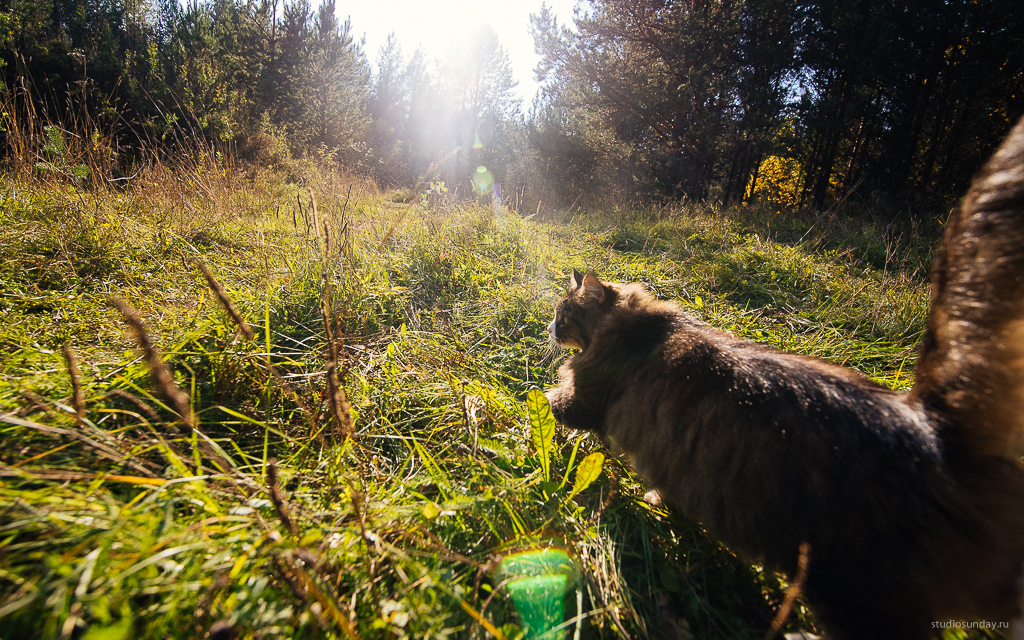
x=970, y=375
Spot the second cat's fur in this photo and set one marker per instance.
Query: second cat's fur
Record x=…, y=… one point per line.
x=913, y=505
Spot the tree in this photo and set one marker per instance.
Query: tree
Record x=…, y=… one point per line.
x=661, y=76
x=388, y=104
x=337, y=79
x=905, y=98
x=442, y=124
x=478, y=89
x=764, y=58
x=292, y=62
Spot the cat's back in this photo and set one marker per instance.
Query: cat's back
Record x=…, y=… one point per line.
x=746, y=438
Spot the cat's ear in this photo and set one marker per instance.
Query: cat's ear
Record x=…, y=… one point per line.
x=593, y=288
x=575, y=281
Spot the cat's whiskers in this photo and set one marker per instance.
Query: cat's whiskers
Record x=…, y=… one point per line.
x=551, y=352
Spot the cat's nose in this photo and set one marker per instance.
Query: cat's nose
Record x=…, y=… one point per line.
x=551, y=328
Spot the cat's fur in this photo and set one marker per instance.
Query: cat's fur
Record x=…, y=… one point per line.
x=913, y=504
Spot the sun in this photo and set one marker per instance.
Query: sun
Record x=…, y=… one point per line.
x=439, y=28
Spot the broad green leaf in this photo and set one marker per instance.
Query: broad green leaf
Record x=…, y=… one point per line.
x=588, y=471
x=431, y=511
x=117, y=631
x=542, y=428
x=310, y=538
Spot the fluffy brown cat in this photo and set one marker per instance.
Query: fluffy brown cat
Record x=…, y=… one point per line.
x=913, y=504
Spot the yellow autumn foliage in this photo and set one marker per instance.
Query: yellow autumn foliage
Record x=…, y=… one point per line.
x=777, y=181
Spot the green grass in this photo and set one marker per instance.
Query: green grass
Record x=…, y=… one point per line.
x=124, y=523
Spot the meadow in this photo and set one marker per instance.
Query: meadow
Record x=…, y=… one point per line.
x=243, y=403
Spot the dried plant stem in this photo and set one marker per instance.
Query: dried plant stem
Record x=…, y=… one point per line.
x=358, y=501
x=303, y=585
x=226, y=302
x=344, y=209
x=478, y=617
x=290, y=391
x=613, y=490
x=327, y=238
x=277, y=497
x=101, y=449
x=48, y=474
x=792, y=592
x=137, y=401
x=163, y=380
x=305, y=216
x=313, y=212
x=340, y=408
x=77, y=396
x=494, y=591
x=288, y=572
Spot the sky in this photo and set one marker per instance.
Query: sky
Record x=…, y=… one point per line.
x=436, y=25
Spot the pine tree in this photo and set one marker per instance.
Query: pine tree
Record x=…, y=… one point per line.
x=338, y=75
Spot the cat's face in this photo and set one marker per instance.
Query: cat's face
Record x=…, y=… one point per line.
x=577, y=313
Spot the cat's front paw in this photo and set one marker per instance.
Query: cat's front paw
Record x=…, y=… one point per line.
x=555, y=400
x=568, y=410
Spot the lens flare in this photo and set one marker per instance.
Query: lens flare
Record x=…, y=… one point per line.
x=483, y=180
x=537, y=579
x=476, y=143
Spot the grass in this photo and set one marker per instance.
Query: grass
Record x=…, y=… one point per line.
x=358, y=466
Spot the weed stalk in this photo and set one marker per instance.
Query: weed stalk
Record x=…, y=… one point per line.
x=226, y=302
x=77, y=395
